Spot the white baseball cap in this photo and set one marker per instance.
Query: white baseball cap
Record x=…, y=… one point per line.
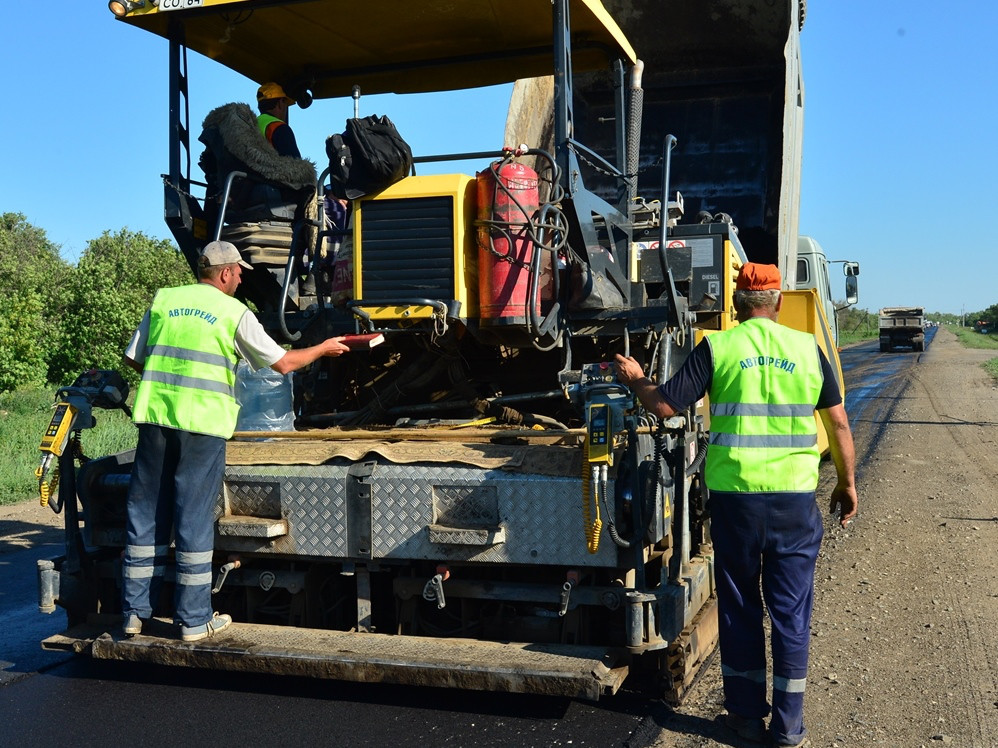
x=221, y=253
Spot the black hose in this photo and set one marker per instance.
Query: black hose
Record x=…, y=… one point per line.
x=611, y=527
x=699, y=458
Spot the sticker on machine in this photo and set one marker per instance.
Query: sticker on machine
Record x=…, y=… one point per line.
x=165, y=5
x=701, y=252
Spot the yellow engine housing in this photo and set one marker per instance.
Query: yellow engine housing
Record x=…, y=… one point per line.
x=416, y=240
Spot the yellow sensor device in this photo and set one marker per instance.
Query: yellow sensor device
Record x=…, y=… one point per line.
x=600, y=436
x=57, y=433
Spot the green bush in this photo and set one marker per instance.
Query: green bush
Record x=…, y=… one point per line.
x=34, y=282
x=115, y=280
x=22, y=325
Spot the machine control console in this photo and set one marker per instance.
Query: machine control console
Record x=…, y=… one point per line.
x=604, y=372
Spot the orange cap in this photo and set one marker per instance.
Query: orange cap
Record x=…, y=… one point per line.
x=755, y=276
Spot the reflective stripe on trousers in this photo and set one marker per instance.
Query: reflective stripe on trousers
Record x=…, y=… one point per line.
x=173, y=491
x=772, y=538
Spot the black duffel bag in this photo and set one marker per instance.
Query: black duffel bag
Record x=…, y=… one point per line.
x=367, y=157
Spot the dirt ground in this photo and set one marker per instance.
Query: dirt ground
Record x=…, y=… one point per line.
x=26, y=524
x=905, y=632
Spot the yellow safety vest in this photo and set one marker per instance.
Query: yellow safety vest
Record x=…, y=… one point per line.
x=267, y=124
x=189, y=375
x=763, y=436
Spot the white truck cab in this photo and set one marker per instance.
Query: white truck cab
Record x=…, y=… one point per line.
x=812, y=272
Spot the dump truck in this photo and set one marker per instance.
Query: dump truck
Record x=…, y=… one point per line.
x=476, y=502
x=902, y=327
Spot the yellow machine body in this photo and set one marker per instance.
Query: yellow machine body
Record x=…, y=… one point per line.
x=438, y=259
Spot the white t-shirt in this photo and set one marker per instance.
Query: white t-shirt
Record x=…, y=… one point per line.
x=252, y=343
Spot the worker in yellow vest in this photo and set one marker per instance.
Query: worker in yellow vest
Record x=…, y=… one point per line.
x=186, y=349
x=765, y=382
x=274, y=104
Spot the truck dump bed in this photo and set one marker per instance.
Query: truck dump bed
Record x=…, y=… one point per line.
x=902, y=326
x=729, y=88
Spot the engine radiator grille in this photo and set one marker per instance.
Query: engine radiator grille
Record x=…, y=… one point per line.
x=408, y=249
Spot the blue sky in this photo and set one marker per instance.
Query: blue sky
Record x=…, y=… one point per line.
x=900, y=168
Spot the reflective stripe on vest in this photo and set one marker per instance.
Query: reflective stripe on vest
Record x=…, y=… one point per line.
x=189, y=372
x=763, y=434
x=267, y=124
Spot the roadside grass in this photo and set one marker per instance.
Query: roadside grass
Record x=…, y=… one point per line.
x=24, y=414
x=857, y=336
x=972, y=339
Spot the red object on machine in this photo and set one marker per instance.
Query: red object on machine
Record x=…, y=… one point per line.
x=505, y=248
x=362, y=341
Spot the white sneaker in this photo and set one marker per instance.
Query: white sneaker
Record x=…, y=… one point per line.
x=197, y=633
x=132, y=625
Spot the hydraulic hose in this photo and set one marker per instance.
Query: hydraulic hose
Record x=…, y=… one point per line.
x=635, y=104
x=592, y=526
x=698, y=458
x=610, y=526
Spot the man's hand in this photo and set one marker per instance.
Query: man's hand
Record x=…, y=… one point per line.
x=630, y=373
x=296, y=358
x=628, y=370
x=334, y=346
x=840, y=444
x=845, y=501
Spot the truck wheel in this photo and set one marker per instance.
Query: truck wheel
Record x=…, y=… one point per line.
x=883, y=347
x=919, y=347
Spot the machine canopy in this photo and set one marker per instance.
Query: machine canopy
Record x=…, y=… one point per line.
x=385, y=46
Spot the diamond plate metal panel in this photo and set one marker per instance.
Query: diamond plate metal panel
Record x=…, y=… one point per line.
x=539, y=517
x=466, y=506
x=311, y=500
x=254, y=498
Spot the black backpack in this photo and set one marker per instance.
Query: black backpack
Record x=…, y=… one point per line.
x=367, y=157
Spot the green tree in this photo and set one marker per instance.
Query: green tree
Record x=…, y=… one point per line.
x=34, y=291
x=856, y=323
x=22, y=326
x=115, y=280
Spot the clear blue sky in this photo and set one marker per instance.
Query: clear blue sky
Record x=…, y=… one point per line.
x=900, y=166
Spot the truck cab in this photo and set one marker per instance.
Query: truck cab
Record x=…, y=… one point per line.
x=812, y=273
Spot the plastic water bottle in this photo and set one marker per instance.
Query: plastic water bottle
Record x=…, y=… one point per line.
x=266, y=399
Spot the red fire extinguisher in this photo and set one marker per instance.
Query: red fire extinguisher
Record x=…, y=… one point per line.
x=507, y=201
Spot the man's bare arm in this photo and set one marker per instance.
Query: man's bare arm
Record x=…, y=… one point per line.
x=299, y=357
x=629, y=372
x=844, y=497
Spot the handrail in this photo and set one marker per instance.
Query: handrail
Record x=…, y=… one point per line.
x=225, y=201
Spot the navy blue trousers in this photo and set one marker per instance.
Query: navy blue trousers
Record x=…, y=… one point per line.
x=174, y=486
x=772, y=538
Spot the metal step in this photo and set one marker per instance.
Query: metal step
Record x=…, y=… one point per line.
x=585, y=672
